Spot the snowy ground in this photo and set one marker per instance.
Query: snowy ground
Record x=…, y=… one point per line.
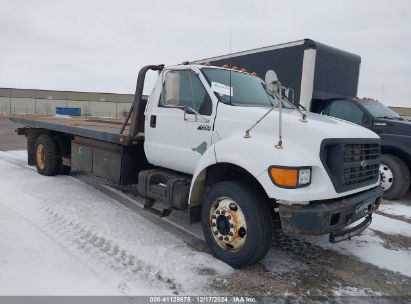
x=62, y=236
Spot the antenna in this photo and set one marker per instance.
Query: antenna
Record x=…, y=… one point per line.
x=231, y=91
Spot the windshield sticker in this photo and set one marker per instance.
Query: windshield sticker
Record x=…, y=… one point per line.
x=221, y=88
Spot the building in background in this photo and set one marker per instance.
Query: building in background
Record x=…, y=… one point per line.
x=44, y=102
x=402, y=111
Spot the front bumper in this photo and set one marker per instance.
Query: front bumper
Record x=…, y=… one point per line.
x=331, y=216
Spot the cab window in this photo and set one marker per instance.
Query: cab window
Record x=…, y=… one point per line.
x=184, y=89
x=346, y=110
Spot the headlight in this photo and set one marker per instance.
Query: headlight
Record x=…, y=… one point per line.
x=290, y=177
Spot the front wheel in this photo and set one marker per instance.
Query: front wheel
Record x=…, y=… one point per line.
x=395, y=176
x=237, y=223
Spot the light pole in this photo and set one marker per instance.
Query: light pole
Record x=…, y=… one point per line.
x=35, y=102
x=10, y=100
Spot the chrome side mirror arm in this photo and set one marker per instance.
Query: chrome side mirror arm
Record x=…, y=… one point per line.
x=196, y=115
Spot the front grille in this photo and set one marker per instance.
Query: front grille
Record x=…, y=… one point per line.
x=351, y=163
x=359, y=163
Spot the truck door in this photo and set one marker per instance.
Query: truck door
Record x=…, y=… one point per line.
x=179, y=136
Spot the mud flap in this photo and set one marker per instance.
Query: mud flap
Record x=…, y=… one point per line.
x=348, y=233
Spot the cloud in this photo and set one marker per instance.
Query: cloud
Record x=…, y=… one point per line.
x=100, y=45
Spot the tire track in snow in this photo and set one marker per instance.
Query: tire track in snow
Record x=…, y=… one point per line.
x=136, y=206
x=106, y=259
x=103, y=255
x=133, y=204
x=394, y=216
x=139, y=243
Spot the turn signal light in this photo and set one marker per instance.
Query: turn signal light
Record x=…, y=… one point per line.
x=225, y=66
x=290, y=177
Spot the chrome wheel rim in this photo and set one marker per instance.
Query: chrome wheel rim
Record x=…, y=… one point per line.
x=228, y=224
x=387, y=177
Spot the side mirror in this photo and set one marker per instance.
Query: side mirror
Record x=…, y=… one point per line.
x=171, y=96
x=272, y=84
x=366, y=121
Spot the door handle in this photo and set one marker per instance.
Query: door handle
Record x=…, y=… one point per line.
x=153, y=121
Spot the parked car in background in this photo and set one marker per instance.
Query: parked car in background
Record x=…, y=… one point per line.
x=395, y=133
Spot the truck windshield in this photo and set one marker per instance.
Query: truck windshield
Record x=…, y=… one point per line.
x=378, y=110
x=246, y=89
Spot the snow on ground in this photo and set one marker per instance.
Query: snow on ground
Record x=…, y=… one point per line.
x=353, y=291
x=369, y=247
x=93, y=236
x=280, y=262
x=390, y=226
x=397, y=209
x=61, y=236
x=32, y=264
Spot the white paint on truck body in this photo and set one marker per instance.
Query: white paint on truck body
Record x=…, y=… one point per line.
x=170, y=144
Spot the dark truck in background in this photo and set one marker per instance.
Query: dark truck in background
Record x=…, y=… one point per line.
x=395, y=133
x=324, y=80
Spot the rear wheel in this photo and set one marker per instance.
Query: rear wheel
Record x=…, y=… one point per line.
x=395, y=176
x=47, y=156
x=237, y=223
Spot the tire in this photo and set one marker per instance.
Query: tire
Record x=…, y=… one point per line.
x=395, y=176
x=47, y=156
x=247, y=208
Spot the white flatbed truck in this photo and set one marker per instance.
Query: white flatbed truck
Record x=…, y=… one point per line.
x=230, y=149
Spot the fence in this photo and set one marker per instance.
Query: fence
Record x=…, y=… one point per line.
x=39, y=107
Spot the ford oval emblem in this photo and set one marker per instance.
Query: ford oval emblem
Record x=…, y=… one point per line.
x=364, y=163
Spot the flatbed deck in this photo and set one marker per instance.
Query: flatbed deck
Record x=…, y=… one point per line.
x=94, y=128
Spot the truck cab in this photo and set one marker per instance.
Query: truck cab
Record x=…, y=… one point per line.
x=196, y=122
x=395, y=133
